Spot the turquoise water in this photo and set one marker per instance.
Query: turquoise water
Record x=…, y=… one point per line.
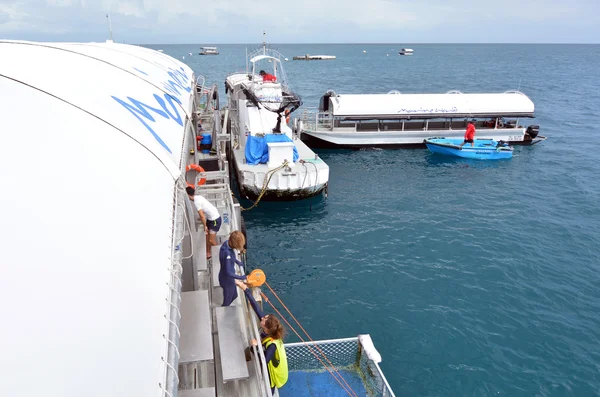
x=473, y=278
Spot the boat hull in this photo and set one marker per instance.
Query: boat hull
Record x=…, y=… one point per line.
x=482, y=149
x=403, y=139
x=284, y=185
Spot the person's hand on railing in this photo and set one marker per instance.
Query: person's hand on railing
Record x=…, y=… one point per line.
x=241, y=284
x=253, y=342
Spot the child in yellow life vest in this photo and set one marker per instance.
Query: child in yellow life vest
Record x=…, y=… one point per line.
x=272, y=342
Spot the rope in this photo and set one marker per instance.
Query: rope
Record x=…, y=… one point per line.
x=265, y=185
x=347, y=387
x=305, y=172
x=317, y=177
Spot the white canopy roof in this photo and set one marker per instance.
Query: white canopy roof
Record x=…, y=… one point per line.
x=406, y=106
x=92, y=138
x=261, y=57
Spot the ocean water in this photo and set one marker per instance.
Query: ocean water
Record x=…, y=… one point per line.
x=473, y=278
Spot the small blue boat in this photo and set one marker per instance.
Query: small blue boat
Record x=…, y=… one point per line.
x=483, y=149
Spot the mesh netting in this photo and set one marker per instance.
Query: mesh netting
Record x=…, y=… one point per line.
x=344, y=354
x=341, y=353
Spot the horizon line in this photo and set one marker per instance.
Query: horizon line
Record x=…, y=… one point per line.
x=382, y=43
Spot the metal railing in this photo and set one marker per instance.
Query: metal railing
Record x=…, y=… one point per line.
x=314, y=120
x=221, y=193
x=173, y=314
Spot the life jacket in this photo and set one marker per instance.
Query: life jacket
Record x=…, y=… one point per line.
x=278, y=366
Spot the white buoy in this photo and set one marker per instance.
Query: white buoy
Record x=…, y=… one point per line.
x=183, y=57
x=286, y=59
x=387, y=55
x=365, y=51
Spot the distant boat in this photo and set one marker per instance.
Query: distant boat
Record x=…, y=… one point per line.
x=406, y=51
x=190, y=53
x=483, y=149
x=160, y=50
x=309, y=57
x=209, y=51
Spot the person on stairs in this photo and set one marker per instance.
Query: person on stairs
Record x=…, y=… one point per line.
x=209, y=215
x=227, y=259
x=272, y=333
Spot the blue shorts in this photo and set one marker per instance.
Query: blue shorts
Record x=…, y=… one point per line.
x=215, y=225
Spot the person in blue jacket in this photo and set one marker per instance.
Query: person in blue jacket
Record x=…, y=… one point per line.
x=227, y=259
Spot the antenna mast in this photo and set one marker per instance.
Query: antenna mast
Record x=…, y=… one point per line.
x=264, y=43
x=110, y=40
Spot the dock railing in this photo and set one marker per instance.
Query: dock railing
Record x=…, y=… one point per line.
x=347, y=354
x=313, y=120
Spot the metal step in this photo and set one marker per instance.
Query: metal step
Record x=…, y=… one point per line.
x=195, y=342
x=231, y=344
x=204, y=392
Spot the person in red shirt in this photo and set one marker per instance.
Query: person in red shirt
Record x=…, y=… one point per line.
x=267, y=77
x=469, y=135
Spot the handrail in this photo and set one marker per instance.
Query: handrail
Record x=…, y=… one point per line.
x=387, y=385
x=173, y=314
x=248, y=320
x=200, y=76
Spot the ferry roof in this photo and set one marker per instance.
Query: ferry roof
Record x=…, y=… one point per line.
x=261, y=57
x=92, y=138
x=406, y=106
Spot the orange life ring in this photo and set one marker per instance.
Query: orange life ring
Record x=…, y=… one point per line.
x=196, y=168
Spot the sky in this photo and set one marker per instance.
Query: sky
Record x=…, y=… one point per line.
x=303, y=21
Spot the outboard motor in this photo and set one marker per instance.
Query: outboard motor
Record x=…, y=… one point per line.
x=533, y=131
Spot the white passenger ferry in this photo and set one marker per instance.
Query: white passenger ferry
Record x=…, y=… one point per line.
x=105, y=287
x=404, y=120
x=209, y=51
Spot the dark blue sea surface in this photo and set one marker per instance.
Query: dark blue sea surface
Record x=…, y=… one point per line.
x=473, y=278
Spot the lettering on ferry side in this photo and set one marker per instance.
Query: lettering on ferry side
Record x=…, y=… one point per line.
x=453, y=109
x=142, y=112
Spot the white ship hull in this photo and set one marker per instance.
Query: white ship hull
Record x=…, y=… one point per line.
x=358, y=139
x=303, y=181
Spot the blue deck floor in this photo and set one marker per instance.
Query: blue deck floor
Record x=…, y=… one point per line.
x=321, y=384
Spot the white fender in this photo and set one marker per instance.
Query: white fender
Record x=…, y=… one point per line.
x=367, y=344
